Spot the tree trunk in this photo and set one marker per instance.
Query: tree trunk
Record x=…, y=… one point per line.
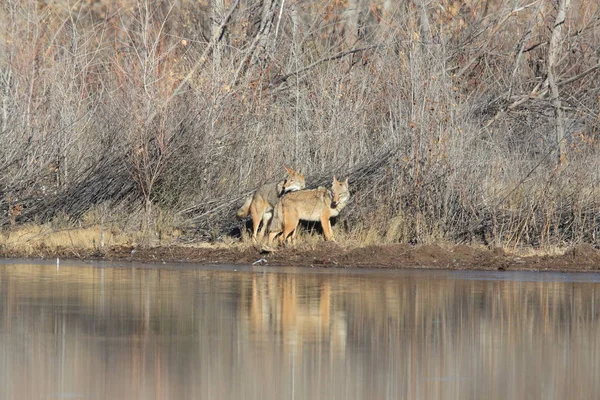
x=425, y=26
x=266, y=41
x=553, y=56
x=351, y=17
x=6, y=78
x=218, y=13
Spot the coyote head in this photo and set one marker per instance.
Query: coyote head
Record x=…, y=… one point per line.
x=294, y=181
x=340, y=193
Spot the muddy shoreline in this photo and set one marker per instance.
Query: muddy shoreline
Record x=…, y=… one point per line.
x=395, y=256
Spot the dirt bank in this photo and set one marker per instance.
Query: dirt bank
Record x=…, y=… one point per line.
x=578, y=258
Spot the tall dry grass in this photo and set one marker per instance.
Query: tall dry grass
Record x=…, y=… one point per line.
x=165, y=114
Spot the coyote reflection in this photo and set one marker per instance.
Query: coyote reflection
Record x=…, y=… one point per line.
x=296, y=313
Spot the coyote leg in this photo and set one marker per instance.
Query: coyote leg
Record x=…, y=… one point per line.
x=294, y=234
x=256, y=211
x=290, y=223
x=326, y=225
x=273, y=235
x=265, y=222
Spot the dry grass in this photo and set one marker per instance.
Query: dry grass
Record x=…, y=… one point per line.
x=526, y=251
x=32, y=240
x=27, y=239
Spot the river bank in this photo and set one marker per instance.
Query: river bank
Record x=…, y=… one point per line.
x=459, y=257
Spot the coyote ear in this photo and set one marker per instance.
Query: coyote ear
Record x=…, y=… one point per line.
x=335, y=179
x=288, y=169
x=346, y=181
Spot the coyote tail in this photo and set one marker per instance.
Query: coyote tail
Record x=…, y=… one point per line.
x=244, y=210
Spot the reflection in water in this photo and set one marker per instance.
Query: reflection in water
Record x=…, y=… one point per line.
x=125, y=333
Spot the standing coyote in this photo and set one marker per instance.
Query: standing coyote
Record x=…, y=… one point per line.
x=309, y=205
x=260, y=204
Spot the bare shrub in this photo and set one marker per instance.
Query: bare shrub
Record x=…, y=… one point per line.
x=442, y=114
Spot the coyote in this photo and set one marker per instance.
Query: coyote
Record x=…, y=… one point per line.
x=260, y=204
x=308, y=205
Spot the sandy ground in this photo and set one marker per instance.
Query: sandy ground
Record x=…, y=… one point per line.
x=579, y=258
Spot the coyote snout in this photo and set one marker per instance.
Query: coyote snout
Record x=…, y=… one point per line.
x=260, y=204
x=308, y=205
x=340, y=196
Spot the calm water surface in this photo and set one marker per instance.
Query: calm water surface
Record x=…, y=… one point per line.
x=97, y=331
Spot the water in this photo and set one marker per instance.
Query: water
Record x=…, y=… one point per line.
x=94, y=331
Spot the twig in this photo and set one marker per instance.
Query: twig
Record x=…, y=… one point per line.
x=322, y=60
x=579, y=76
x=203, y=58
x=495, y=29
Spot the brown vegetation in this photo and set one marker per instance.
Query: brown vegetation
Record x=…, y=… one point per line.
x=459, y=121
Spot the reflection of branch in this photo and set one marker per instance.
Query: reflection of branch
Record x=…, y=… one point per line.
x=342, y=54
